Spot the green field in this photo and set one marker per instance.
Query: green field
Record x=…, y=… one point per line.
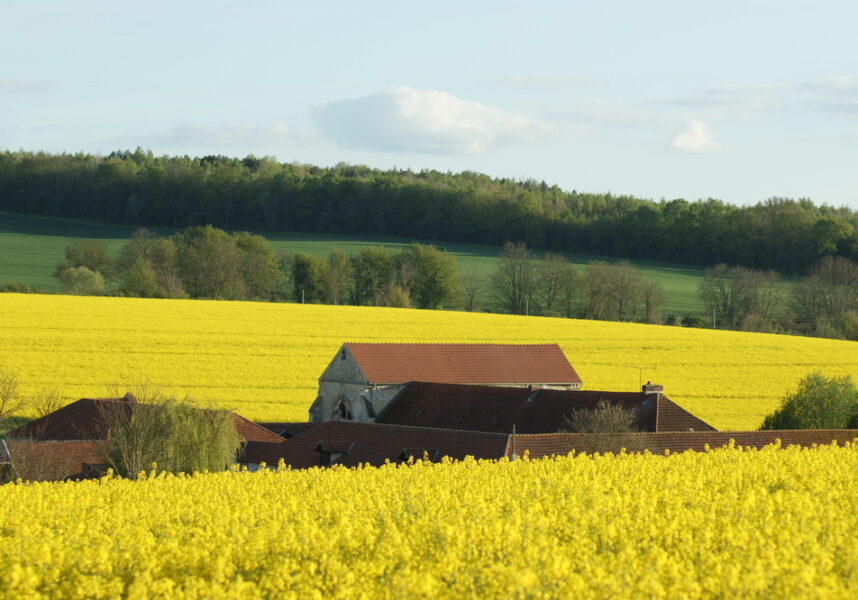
x=30, y=248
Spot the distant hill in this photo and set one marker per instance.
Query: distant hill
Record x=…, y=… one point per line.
x=261, y=194
x=30, y=248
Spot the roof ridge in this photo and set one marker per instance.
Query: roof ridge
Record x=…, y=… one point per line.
x=455, y=343
x=412, y=427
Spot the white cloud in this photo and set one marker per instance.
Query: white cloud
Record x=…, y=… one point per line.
x=403, y=119
x=697, y=138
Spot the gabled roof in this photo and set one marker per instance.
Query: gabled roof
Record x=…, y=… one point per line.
x=464, y=363
x=560, y=444
x=80, y=420
x=254, y=432
x=85, y=420
x=671, y=417
x=56, y=460
x=288, y=429
x=374, y=444
x=497, y=409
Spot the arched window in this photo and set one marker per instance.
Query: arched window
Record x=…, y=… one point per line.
x=343, y=410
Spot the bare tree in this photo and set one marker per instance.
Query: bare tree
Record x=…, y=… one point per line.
x=554, y=278
x=627, y=284
x=337, y=278
x=723, y=291
x=764, y=298
x=654, y=298
x=46, y=400
x=472, y=289
x=512, y=284
x=613, y=291
x=11, y=399
x=597, y=292
x=829, y=293
x=611, y=427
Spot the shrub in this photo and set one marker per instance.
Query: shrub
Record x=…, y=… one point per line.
x=612, y=427
x=819, y=403
x=175, y=434
x=81, y=281
x=16, y=287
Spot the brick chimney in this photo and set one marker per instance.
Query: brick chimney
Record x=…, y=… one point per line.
x=652, y=388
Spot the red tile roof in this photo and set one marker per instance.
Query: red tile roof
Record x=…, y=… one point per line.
x=288, y=429
x=374, y=444
x=80, y=420
x=254, y=432
x=497, y=409
x=464, y=363
x=84, y=420
x=56, y=460
x=671, y=417
x=554, y=444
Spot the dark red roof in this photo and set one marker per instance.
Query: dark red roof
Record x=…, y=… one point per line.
x=374, y=444
x=553, y=444
x=85, y=420
x=671, y=417
x=56, y=460
x=288, y=429
x=464, y=363
x=254, y=432
x=497, y=409
x=80, y=420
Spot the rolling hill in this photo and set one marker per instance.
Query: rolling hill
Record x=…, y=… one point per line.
x=31, y=246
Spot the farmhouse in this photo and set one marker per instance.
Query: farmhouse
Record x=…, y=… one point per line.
x=362, y=379
x=529, y=410
x=380, y=403
x=72, y=442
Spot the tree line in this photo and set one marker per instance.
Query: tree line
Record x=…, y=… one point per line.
x=207, y=262
x=261, y=194
x=824, y=303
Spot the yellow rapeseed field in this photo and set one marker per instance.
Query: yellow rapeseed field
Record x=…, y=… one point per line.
x=723, y=524
x=263, y=359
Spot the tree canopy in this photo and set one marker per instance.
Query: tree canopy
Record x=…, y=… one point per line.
x=261, y=194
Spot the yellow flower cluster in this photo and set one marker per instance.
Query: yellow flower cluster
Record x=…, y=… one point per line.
x=727, y=523
x=263, y=360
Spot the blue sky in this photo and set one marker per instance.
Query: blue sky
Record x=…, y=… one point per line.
x=662, y=99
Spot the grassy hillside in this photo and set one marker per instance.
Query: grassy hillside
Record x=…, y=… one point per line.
x=263, y=359
x=30, y=248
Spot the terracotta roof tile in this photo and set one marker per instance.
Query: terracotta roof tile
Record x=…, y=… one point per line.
x=254, y=432
x=56, y=460
x=671, y=417
x=561, y=444
x=497, y=409
x=464, y=363
x=288, y=429
x=80, y=420
x=374, y=444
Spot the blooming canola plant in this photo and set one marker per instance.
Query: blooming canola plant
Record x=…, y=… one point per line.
x=263, y=359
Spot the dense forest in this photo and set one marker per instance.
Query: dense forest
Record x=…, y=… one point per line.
x=261, y=194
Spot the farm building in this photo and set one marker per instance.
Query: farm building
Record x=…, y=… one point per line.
x=350, y=444
x=71, y=442
x=362, y=379
x=529, y=410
